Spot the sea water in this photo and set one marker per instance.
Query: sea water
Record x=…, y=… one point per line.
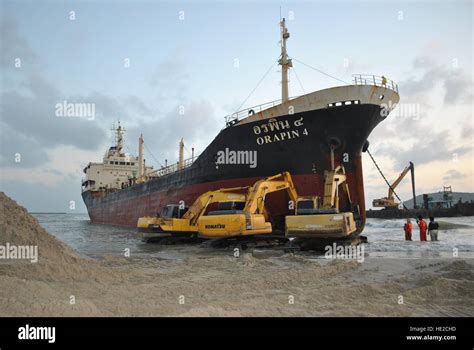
x=386, y=239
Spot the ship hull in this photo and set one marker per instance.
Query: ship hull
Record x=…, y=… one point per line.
x=298, y=143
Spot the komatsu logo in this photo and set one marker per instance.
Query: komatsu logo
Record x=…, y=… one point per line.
x=215, y=226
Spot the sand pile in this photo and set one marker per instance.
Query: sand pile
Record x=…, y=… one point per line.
x=55, y=260
x=19, y=228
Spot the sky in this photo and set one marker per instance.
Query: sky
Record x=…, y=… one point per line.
x=144, y=62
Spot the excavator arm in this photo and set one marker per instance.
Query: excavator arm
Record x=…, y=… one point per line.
x=333, y=180
x=389, y=201
x=410, y=167
x=256, y=198
x=221, y=195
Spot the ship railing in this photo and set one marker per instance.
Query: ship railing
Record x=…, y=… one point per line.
x=247, y=112
x=172, y=168
x=367, y=79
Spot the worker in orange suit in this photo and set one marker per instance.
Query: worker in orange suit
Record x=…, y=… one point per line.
x=408, y=230
x=423, y=228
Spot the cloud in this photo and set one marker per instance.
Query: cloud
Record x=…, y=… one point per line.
x=453, y=174
x=456, y=83
x=170, y=78
x=31, y=128
x=13, y=45
x=467, y=132
x=197, y=126
x=434, y=146
x=30, y=115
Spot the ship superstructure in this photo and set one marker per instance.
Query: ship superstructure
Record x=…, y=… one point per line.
x=118, y=170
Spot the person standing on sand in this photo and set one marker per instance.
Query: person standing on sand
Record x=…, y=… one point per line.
x=433, y=229
x=408, y=230
x=422, y=225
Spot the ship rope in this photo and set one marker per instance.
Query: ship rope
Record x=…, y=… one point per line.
x=301, y=85
x=258, y=84
x=154, y=158
x=299, y=81
x=385, y=179
x=320, y=71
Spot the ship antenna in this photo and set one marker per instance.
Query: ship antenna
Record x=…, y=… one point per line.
x=284, y=61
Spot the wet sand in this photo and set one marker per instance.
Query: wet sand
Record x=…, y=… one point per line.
x=217, y=284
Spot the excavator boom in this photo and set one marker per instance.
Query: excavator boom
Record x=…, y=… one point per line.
x=410, y=167
x=221, y=195
x=256, y=198
x=389, y=201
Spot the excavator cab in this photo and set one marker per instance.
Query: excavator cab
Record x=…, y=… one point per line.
x=228, y=207
x=314, y=219
x=172, y=211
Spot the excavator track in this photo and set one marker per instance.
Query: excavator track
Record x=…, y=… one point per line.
x=246, y=242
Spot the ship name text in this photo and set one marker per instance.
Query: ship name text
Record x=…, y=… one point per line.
x=278, y=131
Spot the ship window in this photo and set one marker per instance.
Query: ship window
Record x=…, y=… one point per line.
x=347, y=102
x=356, y=102
x=330, y=105
x=122, y=163
x=338, y=103
x=381, y=97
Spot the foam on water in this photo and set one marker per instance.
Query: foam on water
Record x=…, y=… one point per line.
x=387, y=239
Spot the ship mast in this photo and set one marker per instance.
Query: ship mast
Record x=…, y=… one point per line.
x=141, y=160
x=284, y=61
x=119, y=138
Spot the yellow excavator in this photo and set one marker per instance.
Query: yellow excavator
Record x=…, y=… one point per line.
x=389, y=201
x=179, y=221
x=310, y=219
x=253, y=218
x=315, y=220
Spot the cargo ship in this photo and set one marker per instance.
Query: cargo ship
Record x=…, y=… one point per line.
x=305, y=135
